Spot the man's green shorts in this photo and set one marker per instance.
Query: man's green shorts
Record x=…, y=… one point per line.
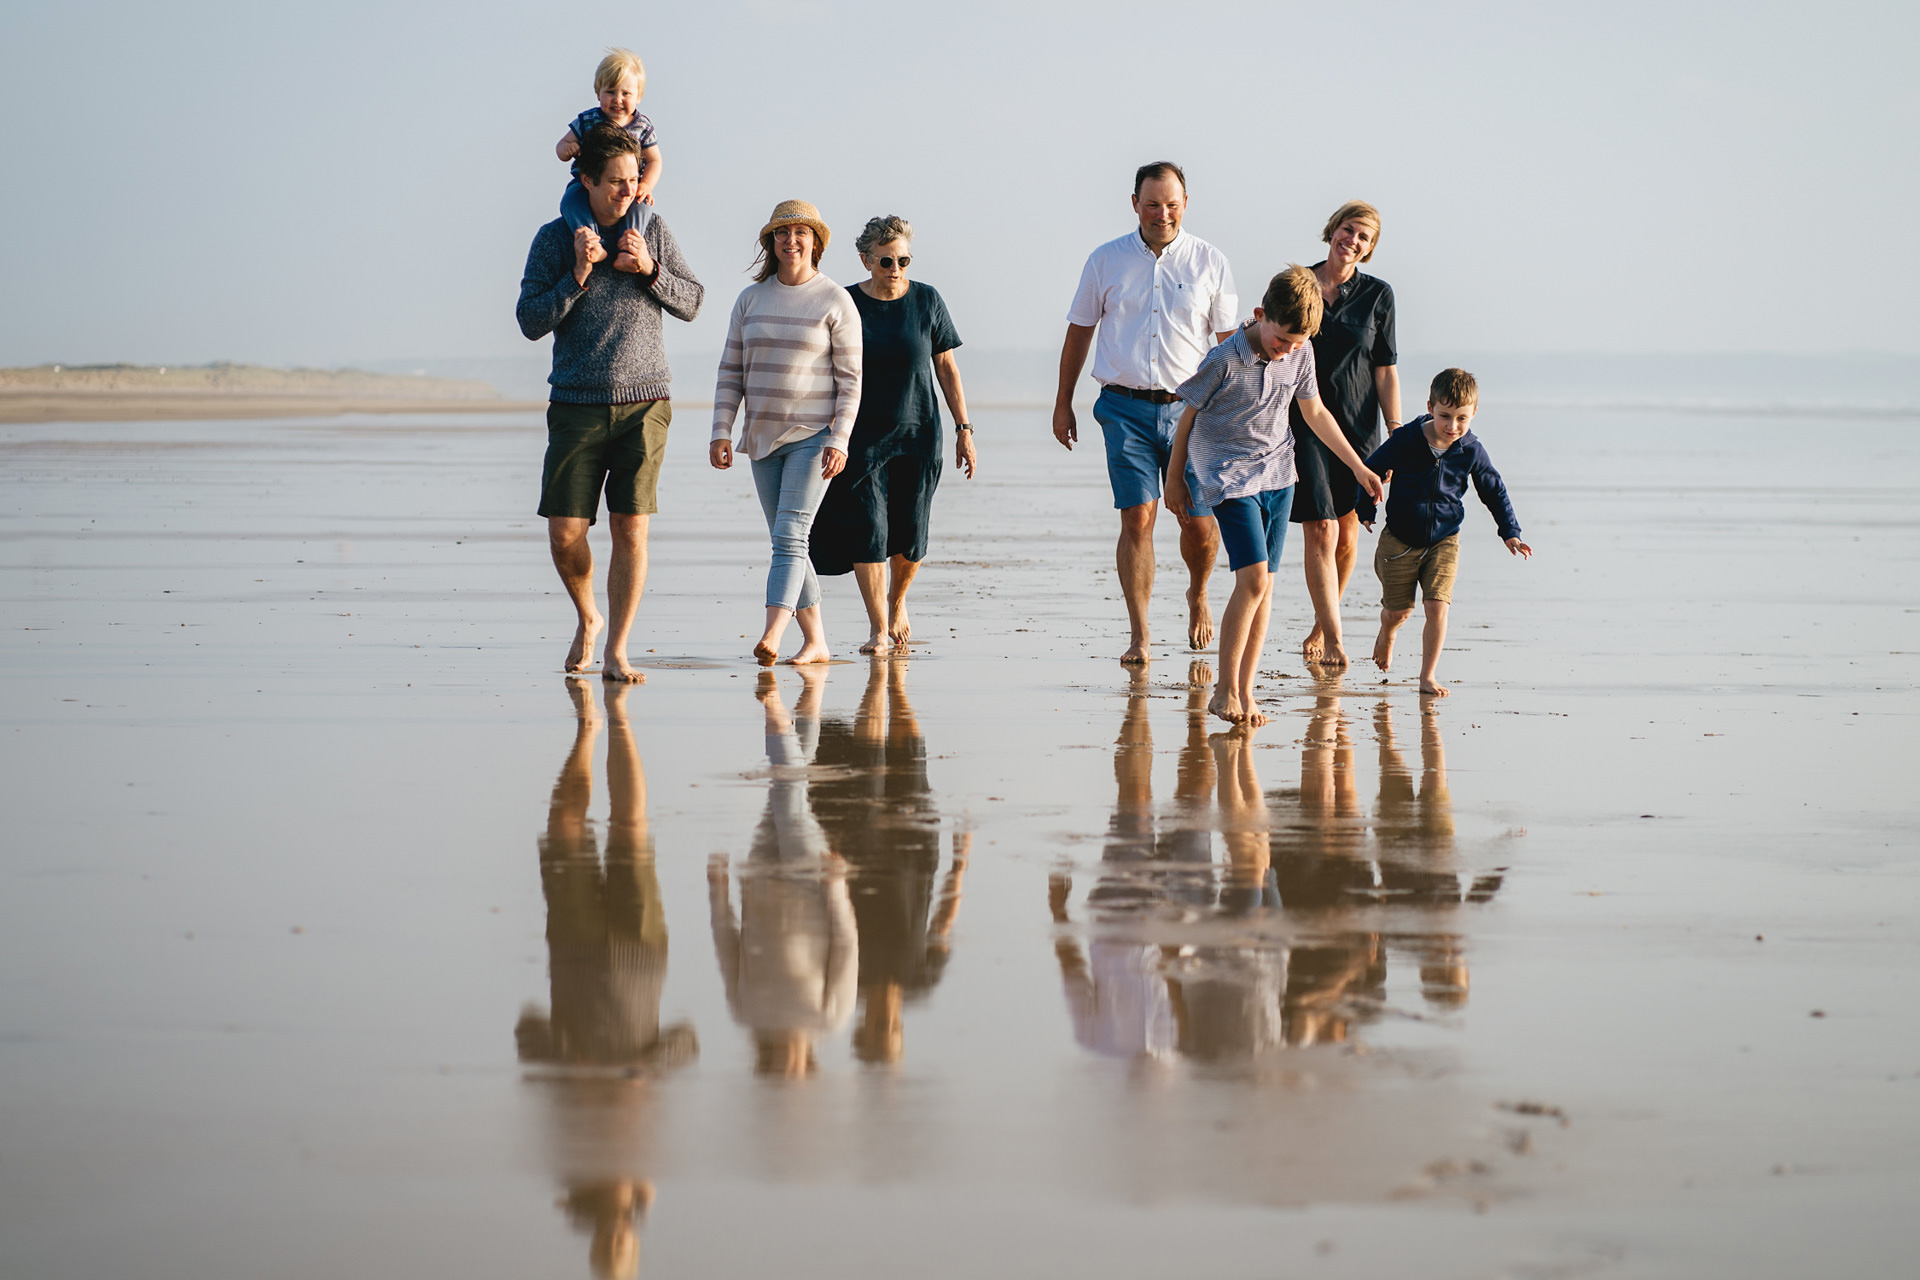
x=617, y=447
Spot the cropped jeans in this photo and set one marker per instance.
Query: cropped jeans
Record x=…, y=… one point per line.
x=790, y=487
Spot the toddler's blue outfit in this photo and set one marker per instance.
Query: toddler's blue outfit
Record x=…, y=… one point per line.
x=573, y=202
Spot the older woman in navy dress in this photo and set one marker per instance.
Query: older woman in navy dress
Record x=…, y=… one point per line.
x=1356, y=365
x=874, y=519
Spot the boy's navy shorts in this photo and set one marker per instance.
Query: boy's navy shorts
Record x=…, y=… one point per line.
x=1254, y=528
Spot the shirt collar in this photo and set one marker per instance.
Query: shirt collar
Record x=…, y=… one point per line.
x=1243, y=349
x=1140, y=243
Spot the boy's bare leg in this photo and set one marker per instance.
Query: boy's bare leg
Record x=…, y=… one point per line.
x=903, y=573
x=1432, y=637
x=767, y=650
x=1133, y=559
x=1390, y=620
x=868, y=577
x=813, y=637
x=1199, y=547
x=1250, y=653
x=626, y=581
x=1324, y=643
x=1232, y=699
x=573, y=560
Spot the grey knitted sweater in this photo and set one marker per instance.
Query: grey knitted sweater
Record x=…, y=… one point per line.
x=607, y=345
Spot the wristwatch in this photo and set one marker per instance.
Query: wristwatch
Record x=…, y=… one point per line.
x=958, y=427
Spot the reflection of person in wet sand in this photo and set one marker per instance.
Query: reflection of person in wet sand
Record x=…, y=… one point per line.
x=607, y=946
x=790, y=961
x=1116, y=990
x=878, y=813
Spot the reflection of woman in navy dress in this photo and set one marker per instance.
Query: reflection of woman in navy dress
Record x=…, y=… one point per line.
x=875, y=515
x=1356, y=365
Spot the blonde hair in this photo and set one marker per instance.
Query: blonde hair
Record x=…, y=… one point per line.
x=1294, y=302
x=1354, y=209
x=615, y=67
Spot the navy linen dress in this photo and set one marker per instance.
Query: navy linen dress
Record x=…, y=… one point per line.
x=879, y=506
x=1356, y=337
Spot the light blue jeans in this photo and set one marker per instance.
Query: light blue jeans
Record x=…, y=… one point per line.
x=790, y=487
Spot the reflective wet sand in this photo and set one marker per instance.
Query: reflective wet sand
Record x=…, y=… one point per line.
x=341, y=934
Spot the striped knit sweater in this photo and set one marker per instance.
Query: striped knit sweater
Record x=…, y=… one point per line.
x=793, y=359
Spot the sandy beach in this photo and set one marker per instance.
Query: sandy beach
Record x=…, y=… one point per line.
x=341, y=936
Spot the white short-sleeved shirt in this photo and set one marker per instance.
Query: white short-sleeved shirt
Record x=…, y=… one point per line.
x=1156, y=315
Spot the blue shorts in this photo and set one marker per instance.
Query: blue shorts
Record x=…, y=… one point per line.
x=1139, y=435
x=1254, y=528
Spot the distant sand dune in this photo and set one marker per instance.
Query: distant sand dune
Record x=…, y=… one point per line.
x=125, y=392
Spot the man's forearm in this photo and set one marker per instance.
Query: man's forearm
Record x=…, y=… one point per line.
x=1073, y=359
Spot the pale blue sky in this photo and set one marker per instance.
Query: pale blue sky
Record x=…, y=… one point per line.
x=357, y=182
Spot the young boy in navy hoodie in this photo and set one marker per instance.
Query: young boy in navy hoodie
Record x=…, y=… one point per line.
x=1428, y=464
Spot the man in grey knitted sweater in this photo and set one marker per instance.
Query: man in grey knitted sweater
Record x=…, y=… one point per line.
x=609, y=409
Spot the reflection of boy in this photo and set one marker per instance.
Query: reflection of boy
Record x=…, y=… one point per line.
x=1430, y=462
x=1235, y=434
x=619, y=82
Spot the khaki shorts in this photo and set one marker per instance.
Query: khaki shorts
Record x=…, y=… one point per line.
x=1400, y=566
x=615, y=447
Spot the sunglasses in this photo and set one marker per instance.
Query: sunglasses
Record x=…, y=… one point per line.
x=886, y=264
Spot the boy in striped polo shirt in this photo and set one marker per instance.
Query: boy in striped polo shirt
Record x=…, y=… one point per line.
x=1233, y=458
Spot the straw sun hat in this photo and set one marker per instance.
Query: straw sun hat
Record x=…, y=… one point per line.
x=788, y=212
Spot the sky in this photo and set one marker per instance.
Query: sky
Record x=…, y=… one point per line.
x=355, y=183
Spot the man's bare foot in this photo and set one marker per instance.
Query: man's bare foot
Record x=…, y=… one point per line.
x=580, y=656
x=809, y=653
x=1136, y=654
x=616, y=668
x=1332, y=655
x=1199, y=619
x=1383, y=650
x=1313, y=646
x=765, y=654
x=878, y=642
x=626, y=262
x=901, y=629
x=1227, y=708
x=1433, y=688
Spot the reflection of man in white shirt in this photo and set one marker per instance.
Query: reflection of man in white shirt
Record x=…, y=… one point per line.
x=1160, y=299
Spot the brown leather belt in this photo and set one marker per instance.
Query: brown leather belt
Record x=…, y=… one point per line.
x=1157, y=396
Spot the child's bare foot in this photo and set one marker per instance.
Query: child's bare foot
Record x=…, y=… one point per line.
x=1136, y=654
x=1227, y=707
x=617, y=669
x=811, y=652
x=626, y=262
x=901, y=628
x=1383, y=649
x=765, y=654
x=878, y=642
x=1199, y=619
x=1433, y=688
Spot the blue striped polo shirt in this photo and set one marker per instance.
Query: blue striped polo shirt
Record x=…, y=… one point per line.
x=1240, y=443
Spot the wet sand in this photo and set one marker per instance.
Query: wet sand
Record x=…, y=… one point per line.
x=342, y=935
x=155, y=393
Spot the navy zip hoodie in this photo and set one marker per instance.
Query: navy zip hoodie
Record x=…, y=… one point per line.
x=1426, y=500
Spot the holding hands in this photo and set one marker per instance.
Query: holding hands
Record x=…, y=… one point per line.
x=587, y=250
x=633, y=255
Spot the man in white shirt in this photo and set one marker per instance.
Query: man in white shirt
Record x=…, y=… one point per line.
x=1160, y=299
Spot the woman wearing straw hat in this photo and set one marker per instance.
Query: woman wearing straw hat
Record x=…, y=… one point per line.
x=793, y=359
x=874, y=519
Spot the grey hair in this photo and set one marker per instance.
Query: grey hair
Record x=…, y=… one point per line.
x=880, y=230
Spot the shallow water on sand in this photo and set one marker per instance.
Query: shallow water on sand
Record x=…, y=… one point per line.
x=340, y=934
